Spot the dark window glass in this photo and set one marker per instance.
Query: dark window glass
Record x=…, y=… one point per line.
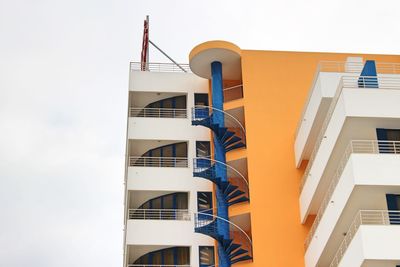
x=168, y=256
x=183, y=256
x=393, y=135
x=171, y=102
x=168, y=103
x=182, y=201
x=168, y=151
x=156, y=203
x=168, y=202
x=201, y=99
x=181, y=149
x=180, y=102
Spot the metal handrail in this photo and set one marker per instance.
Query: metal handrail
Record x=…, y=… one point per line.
x=233, y=93
x=211, y=109
x=195, y=165
x=160, y=67
x=341, y=86
x=345, y=67
x=158, y=112
x=354, y=146
x=139, y=161
x=371, y=82
x=365, y=217
x=159, y=214
x=232, y=87
x=213, y=217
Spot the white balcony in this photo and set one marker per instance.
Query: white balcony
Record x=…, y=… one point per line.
x=165, y=129
x=322, y=91
x=165, y=179
x=367, y=171
x=164, y=232
x=164, y=81
x=350, y=117
x=372, y=240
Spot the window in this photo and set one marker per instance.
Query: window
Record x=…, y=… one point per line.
x=203, y=149
x=389, y=140
x=203, y=153
x=393, y=204
x=172, y=150
x=206, y=256
x=168, y=256
x=201, y=99
x=204, y=205
x=169, y=201
x=172, y=102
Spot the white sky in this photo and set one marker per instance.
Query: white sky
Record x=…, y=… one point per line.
x=63, y=96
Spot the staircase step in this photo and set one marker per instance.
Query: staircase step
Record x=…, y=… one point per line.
x=234, y=195
x=231, y=141
x=229, y=189
x=238, y=253
x=226, y=243
x=232, y=248
x=238, y=200
x=235, y=146
x=244, y=258
x=226, y=136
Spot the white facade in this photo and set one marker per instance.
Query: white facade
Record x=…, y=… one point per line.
x=154, y=177
x=351, y=170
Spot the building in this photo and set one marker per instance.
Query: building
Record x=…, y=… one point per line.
x=264, y=158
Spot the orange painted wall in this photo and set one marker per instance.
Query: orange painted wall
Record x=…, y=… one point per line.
x=276, y=85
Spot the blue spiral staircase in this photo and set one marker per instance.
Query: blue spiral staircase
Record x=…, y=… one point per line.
x=237, y=248
x=231, y=136
x=235, y=190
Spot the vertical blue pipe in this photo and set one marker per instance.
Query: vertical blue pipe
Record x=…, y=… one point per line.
x=219, y=155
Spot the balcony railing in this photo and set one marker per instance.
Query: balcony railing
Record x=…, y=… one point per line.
x=352, y=83
x=156, y=265
x=160, y=67
x=355, y=146
x=159, y=214
x=174, y=162
x=158, y=112
x=345, y=67
x=356, y=67
x=365, y=217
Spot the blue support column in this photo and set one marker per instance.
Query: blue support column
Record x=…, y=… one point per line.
x=219, y=155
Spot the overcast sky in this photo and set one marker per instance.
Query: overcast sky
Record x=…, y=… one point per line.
x=63, y=101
